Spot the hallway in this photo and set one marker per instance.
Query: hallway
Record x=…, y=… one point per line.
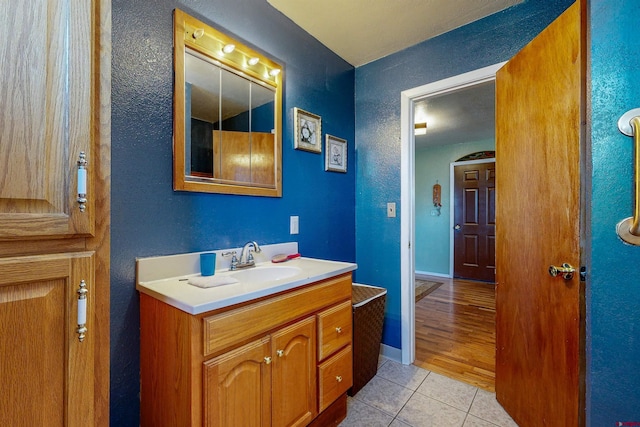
x=455, y=331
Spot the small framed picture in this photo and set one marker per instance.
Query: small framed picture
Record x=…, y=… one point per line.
x=335, y=154
x=307, y=131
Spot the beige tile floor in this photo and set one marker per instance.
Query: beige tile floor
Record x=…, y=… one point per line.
x=409, y=396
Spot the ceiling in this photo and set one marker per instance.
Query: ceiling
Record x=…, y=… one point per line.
x=348, y=27
x=353, y=28
x=465, y=115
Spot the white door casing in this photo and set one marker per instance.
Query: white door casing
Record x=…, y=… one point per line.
x=407, y=191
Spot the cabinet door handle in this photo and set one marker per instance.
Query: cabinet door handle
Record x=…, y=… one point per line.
x=81, y=330
x=280, y=353
x=339, y=378
x=82, y=181
x=339, y=329
x=267, y=360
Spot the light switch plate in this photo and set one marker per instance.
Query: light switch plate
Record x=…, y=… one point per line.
x=294, y=225
x=391, y=210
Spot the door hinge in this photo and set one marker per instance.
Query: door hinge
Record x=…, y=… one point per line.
x=583, y=274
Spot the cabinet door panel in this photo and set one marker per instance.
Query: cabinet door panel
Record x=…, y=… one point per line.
x=45, y=116
x=294, y=374
x=48, y=373
x=237, y=387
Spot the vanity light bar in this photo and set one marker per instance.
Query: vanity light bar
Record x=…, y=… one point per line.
x=217, y=45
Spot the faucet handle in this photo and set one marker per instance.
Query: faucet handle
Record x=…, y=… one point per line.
x=234, y=259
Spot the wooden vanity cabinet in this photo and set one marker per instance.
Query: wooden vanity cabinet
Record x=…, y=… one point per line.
x=253, y=364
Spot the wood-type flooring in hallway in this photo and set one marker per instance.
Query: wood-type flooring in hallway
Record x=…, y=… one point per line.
x=455, y=331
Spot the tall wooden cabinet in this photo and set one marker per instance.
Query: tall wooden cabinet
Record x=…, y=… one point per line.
x=54, y=224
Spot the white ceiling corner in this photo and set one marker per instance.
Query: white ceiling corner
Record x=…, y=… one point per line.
x=361, y=31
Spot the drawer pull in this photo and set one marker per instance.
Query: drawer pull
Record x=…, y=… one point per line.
x=339, y=378
x=339, y=329
x=280, y=353
x=267, y=360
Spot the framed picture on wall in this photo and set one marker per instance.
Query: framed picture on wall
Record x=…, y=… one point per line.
x=335, y=154
x=307, y=131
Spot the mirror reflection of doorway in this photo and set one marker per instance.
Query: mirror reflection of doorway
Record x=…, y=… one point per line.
x=454, y=323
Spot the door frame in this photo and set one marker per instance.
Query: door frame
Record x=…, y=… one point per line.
x=452, y=204
x=407, y=192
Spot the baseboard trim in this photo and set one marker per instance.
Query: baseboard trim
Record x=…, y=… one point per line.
x=392, y=353
x=421, y=274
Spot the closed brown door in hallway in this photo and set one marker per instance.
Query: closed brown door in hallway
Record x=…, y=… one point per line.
x=475, y=221
x=540, y=99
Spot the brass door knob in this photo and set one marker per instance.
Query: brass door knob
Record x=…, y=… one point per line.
x=280, y=353
x=566, y=271
x=267, y=360
x=339, y=378
x=339, y=329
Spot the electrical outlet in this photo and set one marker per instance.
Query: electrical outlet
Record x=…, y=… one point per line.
x=294, y=225
x=391, y=210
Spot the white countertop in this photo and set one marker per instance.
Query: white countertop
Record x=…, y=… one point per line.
x=176, y=291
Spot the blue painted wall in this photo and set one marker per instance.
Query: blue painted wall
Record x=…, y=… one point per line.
x=149, y=218
x=433, y=240
x=491, y=40
x=613, y=293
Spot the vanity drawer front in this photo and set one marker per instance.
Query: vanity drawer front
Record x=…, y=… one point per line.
x=221, y=331
x=334, y=329
x=335, y=376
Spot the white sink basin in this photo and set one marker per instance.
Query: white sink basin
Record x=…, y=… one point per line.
x=266, y=274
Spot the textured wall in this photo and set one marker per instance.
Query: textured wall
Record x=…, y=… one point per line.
x=613, y=292
x=149, y=218
x=433, y=232
x=378, y=85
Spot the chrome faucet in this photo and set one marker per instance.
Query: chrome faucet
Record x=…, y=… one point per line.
x=246, y=256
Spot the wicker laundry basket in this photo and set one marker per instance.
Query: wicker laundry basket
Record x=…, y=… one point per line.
x=368, y=317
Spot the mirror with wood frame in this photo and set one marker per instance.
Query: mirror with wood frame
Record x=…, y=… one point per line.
x=227, y=116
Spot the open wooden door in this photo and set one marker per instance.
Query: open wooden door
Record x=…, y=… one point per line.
x=540, y=99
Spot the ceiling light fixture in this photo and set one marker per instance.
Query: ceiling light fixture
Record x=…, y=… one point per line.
x=420, y=128
x=228, y=48
x=253, y=61
x=274, y=72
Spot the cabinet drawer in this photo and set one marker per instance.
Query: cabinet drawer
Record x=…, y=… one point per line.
x=335, y=376
x=221, y=331
x=334, y=329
